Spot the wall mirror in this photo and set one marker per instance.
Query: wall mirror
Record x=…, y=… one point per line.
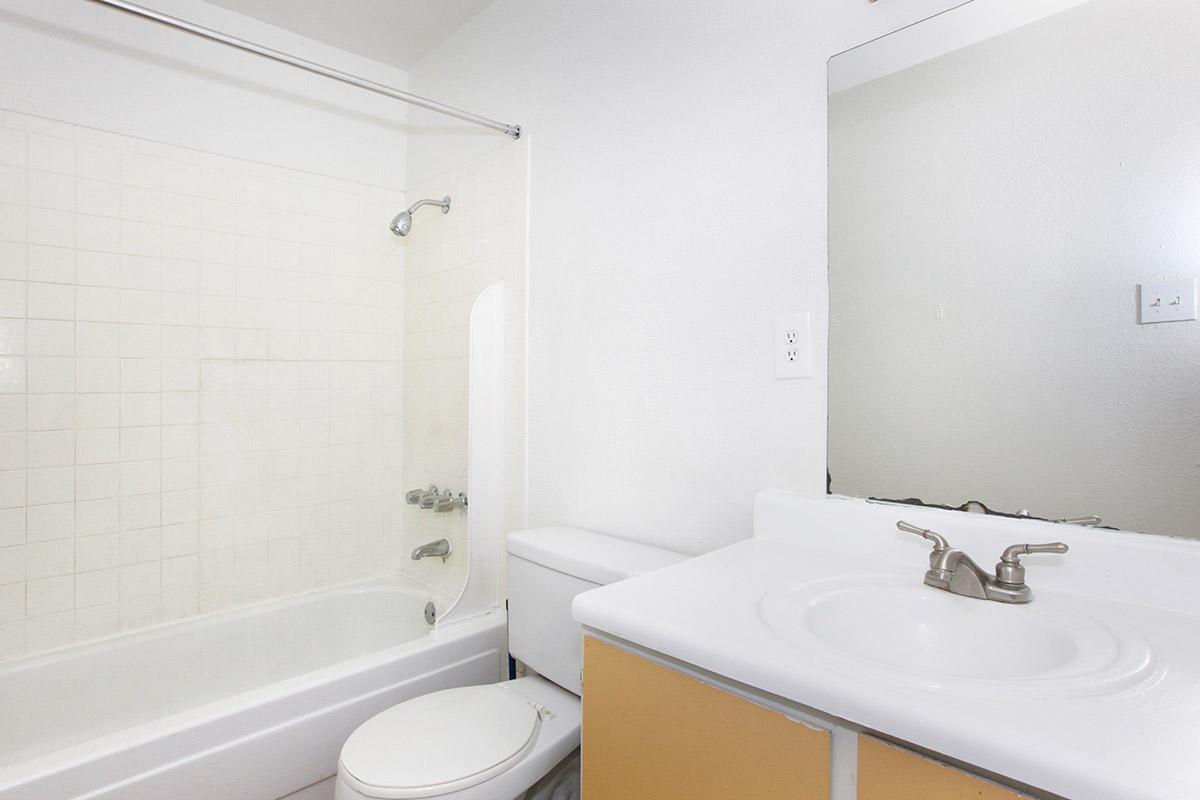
x=1009, y=183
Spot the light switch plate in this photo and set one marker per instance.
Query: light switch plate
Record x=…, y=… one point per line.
x=793, y=346
x=1168, y=301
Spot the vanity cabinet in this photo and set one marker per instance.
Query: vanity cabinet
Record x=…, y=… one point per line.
x=887, y=772
x=651, y=732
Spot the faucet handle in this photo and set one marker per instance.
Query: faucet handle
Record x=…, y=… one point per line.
x=939, y=542
x=413, y=496
x=1010, y=571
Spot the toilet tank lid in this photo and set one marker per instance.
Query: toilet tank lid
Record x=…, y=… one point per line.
x=590, y=556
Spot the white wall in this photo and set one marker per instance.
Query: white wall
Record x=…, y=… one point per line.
x=90, y=65
x=973, y=22
x=677, y=204
x=1034, y=387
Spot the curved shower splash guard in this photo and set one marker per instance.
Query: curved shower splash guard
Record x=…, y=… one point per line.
x=485, y=458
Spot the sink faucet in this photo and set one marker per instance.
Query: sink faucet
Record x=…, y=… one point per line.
x=953, y=570
x=439, y=549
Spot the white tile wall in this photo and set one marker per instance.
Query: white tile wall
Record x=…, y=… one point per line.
x=200, y=382
x=450, y=259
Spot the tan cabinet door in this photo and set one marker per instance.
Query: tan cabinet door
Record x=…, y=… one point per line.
x=651, y=733
x=887, y=772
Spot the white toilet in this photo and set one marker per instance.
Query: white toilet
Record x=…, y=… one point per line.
x=494, y=742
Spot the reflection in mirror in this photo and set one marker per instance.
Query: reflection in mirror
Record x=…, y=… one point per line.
x=996, y=201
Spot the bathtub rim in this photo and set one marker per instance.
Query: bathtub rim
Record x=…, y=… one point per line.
x=146, y=733
x=403, y=583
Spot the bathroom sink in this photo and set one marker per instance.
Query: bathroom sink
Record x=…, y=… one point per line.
x=893, y=627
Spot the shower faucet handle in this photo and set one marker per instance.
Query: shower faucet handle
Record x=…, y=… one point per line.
x=413, y=496
x=429, y=499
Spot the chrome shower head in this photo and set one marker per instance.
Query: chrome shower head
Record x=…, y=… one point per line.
x=402, y=222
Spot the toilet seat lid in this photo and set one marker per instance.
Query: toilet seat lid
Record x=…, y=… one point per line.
x=440, y=742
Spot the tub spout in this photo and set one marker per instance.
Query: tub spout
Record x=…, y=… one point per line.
x=439, y=549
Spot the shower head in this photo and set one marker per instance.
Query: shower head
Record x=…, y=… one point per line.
x=402, y=222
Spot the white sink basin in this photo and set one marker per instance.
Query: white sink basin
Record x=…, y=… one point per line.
x=895, y=627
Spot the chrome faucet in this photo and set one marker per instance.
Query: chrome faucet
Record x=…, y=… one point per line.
x=436, y=499
x=439, y=549
x=413, y=496
x=449, y=502
x=953, y=570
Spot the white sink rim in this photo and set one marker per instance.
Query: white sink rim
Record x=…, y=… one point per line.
x=1091, y=657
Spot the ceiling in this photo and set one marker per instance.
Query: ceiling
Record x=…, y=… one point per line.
x=395, y=32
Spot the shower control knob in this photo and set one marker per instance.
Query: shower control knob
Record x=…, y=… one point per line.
x=413, y=496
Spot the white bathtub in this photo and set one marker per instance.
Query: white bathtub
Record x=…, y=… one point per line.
x=252, y=704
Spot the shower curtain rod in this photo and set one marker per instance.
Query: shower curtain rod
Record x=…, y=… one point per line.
x=310, y=66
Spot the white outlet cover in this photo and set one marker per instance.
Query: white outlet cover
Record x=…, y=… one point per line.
x=793, y=346
x=1168, y=301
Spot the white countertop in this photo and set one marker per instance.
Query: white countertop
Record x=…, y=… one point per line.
x=1140, y=742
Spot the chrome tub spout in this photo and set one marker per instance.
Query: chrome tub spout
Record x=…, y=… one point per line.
x=439, y=549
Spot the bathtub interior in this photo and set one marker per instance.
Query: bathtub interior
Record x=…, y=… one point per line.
x=62, y=698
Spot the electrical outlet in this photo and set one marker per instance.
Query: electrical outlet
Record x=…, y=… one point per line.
x=793, y=346
x=1168, y=301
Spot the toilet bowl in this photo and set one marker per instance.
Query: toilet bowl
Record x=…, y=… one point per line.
x=494, y=742
x=472, y=743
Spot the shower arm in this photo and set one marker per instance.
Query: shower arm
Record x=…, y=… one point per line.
x=444, y=204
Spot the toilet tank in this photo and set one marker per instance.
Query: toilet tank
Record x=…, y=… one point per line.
x=547, y=567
